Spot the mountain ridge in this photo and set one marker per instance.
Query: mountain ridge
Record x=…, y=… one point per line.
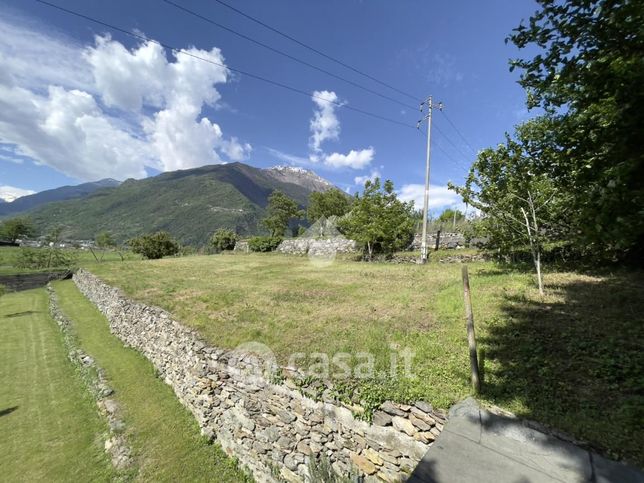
x=190, y=204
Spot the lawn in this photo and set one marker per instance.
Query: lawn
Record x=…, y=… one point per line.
x=572, y=359
x=164, y=436
x=50, y=427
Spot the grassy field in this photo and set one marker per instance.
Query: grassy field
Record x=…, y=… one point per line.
x=9, y=256
x=164, y=436
x=49, y=424
x=571, y=359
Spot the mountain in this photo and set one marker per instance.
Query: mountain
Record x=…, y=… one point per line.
x=30, y=202
x=190, y=204
x=300, y=176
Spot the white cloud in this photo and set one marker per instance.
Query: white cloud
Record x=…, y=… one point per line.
x=439, y=196
x=289, y=158
x=155, y=117
x=354, y=159
x=325, y=124
x=361, y=180
x=10, y=193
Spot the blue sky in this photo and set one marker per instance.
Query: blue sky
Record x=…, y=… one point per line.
x=76, y=105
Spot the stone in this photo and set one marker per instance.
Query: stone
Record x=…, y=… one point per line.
x=381, y=418
x=373, y=456
x=285, y=416
x=289, y=476
x=423, y=416
x=419, y=423
x=290, y=462
x=362, y=463
x=404, y=425
x=304, y=448
x=390, y=408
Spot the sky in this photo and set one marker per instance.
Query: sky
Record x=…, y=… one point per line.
x=81, y=102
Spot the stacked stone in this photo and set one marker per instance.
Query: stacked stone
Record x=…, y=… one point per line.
x=447, y=240
x=273, y=429
x=317, y=247
x=242, y=246
x=116, y=444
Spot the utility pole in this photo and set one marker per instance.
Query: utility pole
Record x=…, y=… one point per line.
x=428, y=118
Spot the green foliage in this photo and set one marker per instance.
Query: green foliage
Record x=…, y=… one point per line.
x=301, y=230
x=379, y=221
x=264, y=243
x=104, y=240
x=41, y=258
x=183, y=203
x=320, y=470
x=589, y=78
x=281, y=209
x=224, y=239
x=449, y=215
x=502, y=182
x=154, y=246
x=16, y=228
x=327, y=203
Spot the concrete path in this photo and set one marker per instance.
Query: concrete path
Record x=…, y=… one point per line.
x=478, y=446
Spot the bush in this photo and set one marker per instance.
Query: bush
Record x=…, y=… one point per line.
x=223, y=239
x=264, y=243
x=154, y=246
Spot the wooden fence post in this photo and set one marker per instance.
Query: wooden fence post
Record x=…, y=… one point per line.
x=471, y=339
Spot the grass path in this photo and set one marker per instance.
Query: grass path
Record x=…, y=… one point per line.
x=49, y=425
x=164, y=436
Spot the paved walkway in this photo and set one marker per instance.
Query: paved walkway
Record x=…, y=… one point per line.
x=478, y=446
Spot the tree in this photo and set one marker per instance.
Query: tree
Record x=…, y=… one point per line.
x=520, y=206
x=223, y=239
x=16, y=228
x=281, y=209
x=104, y=241
x=378, y=220
x=155, y=245
x=328, y=203
x=451, y=216
x=588, y=77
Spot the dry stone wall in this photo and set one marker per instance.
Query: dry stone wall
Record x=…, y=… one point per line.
x=317, y=247
x=272, y=428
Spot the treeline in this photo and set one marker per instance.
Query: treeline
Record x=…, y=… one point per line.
x=570, y=180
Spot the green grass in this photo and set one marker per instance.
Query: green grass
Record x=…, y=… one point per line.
x=49, y=425
x=164, y=435
x=9, y=255
x=572, y=359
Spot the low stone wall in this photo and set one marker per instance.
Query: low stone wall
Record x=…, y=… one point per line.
x=94, y=378
x=242, y=246
x=317, y=247
x=447, y=240
x=272, y=428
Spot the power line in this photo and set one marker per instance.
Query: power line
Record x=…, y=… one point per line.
x=289, y=56
x=449, y=140
x=447, y=154
x=239, y=71
x=458, y=132
x=313, y=49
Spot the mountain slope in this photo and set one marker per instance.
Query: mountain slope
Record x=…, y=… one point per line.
x=190, y=204
x=30, y=202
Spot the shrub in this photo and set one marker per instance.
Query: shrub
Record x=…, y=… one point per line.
x=154, y=246
x=223, y=239
x=264, y=243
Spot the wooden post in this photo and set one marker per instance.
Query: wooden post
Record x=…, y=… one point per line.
x=471, y=338
x=438, y=240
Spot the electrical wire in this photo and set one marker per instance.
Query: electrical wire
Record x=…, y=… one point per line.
x=313, y=49
x=239, y=71
x=284, y=54
x=458, y=131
